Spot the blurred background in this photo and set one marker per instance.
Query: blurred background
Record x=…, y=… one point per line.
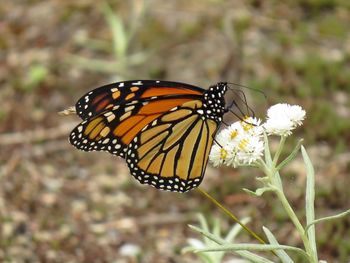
x=58, y=204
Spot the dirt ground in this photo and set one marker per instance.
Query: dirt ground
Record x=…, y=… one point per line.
x=58, y=204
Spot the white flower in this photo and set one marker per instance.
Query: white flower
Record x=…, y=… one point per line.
x=282, y=118
x=279, y=126
x=240, y=144
x=233, y=132
x=251, y=149
x=252, y=126
x=296, y=114
x=218, y=155
x=246, y=151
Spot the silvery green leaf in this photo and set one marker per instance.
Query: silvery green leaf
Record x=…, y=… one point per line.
x=258, y=192
x=310, y=199
x=328, y=218
x=244, y=254
x=253, y=257
x=216, y=228
x=262, y=190
x=250, y=192
x=203, y=222
x=290, y=157
x=120, y=38
x=273, y=241
x=253, y=247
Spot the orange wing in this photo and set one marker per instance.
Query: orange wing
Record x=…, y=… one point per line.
x=163, y=129
x=114, y=129
x=172, y=152
x=122, y=93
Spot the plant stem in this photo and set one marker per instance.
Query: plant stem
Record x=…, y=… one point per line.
x=276, y=184
x=231, y=215
x=279, y=150
x=296, y=222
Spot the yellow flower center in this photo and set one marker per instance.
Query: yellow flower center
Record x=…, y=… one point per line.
x=246, y=126
x=223, y=154
x=243, y=144
x=233, y=134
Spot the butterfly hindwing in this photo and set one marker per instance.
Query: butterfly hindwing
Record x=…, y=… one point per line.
x=100, y=132
x=172, y=155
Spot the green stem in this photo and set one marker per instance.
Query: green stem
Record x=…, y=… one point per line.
x=231, y=215
x=276, y=183
x=279, y=150
x=295, y=221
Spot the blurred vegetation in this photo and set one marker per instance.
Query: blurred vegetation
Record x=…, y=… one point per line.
x=61, y=205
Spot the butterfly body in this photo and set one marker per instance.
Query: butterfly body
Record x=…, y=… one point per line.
x=163, y=129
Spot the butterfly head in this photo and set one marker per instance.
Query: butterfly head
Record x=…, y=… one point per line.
x=214, y=101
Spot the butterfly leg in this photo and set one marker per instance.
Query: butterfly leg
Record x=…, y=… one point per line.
x=216, y=141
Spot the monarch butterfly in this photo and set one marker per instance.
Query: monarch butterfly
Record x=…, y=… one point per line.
x=164, y=130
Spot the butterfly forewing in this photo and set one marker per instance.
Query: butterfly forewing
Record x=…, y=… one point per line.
x=114, y=129
x=121, y=93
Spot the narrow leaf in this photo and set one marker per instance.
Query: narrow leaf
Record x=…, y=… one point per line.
x=258, y=192
x=237, y=247
x=254, y=247
x=250, y=192
x=120, y=38
x=203, y=222
x=310, y=199
x=273, y=241
x=216, y=227
x=290, y=157
x=262, y=190
x=253, y=257
x=328, y=218
x=220, y=241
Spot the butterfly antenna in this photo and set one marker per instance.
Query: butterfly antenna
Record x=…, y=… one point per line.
x=243, y=120
x=246, y=87
x=244, y=100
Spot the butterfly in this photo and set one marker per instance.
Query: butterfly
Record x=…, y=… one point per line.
x=164, y=130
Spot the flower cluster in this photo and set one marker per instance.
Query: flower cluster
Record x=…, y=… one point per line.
x=282, y=118
x=242, y=144
x=239, y=144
